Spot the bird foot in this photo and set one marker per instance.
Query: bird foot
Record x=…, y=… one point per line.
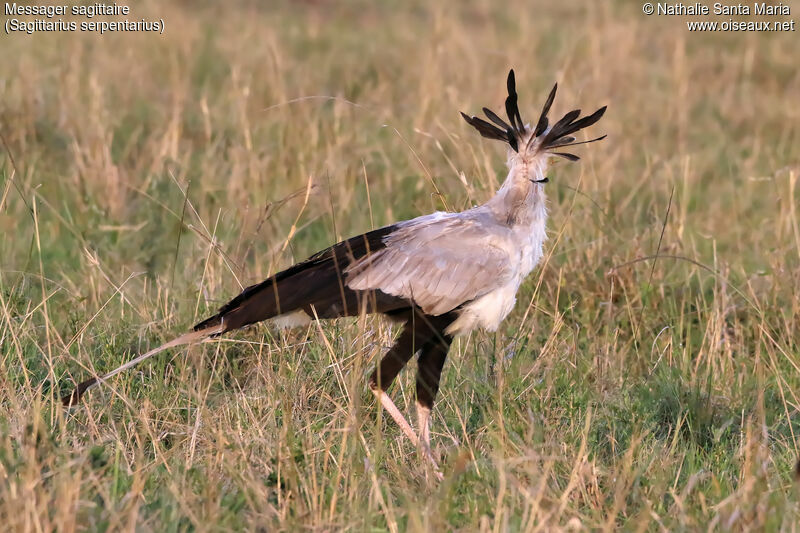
x=426, y=451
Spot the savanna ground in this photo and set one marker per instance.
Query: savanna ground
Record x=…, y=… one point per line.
x=146, y=179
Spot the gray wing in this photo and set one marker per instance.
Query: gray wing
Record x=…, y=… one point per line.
x=439, y=262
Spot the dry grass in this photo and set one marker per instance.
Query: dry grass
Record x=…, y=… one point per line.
x=153, y=176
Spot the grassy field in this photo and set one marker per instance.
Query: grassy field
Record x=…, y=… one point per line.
x=147, y=178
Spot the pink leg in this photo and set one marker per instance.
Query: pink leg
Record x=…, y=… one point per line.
x=401, y=421
x=395, y=413
x=424, y=423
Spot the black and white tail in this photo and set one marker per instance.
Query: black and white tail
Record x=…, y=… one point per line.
x=315, y=287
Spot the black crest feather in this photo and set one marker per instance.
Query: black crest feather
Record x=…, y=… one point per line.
x=559, y=135
x=484, y=128
x=561, y=126
x=567, y=127
x=561, y=132
x=512, y=109
x=494, y=118
x=541, y=125
x=571, y=157
x=562, y=141
x=501, y=130
x=491, y=131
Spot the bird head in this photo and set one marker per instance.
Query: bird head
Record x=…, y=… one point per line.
x=531, y=148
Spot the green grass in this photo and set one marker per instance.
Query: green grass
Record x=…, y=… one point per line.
x=145, y=179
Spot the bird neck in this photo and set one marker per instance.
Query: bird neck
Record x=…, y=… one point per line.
x=520, y=202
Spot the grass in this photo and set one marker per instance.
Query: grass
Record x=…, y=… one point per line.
x=146, y=179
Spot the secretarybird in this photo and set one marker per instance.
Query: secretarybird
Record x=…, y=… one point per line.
x=440, y=275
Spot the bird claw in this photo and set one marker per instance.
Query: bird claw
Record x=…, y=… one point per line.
x=428, y=454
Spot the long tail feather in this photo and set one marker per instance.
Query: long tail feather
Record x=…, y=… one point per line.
x=72, y=399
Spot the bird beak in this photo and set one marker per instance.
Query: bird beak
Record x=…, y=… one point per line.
x=546, y=179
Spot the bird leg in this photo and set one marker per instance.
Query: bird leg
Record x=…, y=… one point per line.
x=424, y=443
x=423, y=421
x=429, y=372
x=395, y=413
x=424, y=334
